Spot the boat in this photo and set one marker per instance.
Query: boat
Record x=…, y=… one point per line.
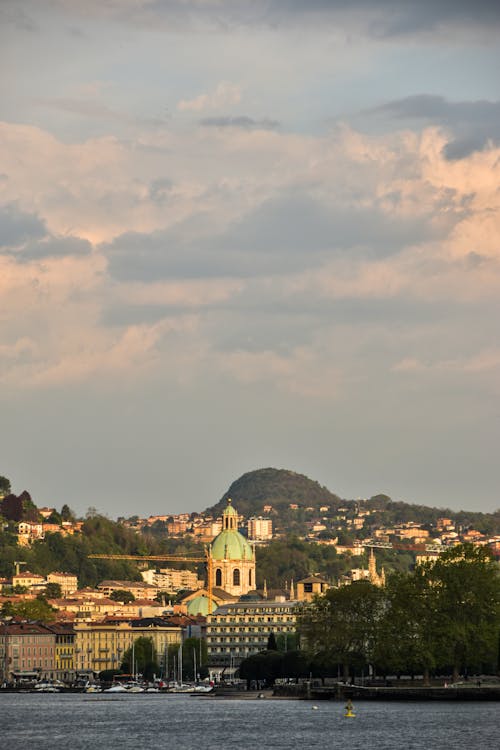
x=92, y=688
x=133, y=687
x=45, y=686
x=116, y=688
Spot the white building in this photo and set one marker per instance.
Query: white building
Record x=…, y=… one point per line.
x=260, y=529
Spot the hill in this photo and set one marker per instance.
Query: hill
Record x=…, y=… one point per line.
x=276, y=487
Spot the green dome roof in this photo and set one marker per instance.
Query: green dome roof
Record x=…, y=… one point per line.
x=199, y=606
x=231, y=545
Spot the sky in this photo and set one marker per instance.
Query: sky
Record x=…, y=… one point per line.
x=245, y=234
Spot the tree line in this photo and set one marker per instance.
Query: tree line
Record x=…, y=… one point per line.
x=445, y=615
x=442, y=618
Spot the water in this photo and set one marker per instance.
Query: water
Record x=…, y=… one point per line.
x=81, y=722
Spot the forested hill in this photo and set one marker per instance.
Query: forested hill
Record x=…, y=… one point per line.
x=276, y=487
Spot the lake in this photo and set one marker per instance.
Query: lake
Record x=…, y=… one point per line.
x=109, y=722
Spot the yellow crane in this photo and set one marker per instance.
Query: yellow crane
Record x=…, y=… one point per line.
x=207, y=559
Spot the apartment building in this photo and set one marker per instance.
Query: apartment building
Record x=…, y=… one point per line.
x=27, y=649
x=67, y=581
x=101, y=645
x=260, y=529
x=171, y=580
x=238, y=629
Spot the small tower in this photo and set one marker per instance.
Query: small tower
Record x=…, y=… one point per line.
x=374, y=577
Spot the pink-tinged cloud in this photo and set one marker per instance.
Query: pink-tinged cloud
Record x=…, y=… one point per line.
x=224, y=95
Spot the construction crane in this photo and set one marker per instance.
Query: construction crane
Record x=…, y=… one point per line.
x=207, y=559
x=421, y=547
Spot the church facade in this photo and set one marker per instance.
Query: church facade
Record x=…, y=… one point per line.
x=233, y=559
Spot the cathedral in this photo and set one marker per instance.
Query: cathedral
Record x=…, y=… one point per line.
x=233, y=559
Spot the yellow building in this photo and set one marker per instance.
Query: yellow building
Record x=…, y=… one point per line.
x=310, y=587
x=67, y=581
x=239, y=629
x=101, y=645
x=64, y=655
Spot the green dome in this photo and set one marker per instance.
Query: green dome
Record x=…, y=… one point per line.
x=231, y=545
x=198, y=606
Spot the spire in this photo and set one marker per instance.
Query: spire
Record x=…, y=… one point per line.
x=292, y=590
x=264, y=589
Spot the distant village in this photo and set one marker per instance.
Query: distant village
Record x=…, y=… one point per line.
x=93, y=628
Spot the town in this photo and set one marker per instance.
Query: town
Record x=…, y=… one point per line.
x=202, y=614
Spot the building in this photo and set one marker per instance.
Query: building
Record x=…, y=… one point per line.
x=27, y=651
x=101, y=645
x=67, y=581
x=310, y=587
x=233, y=559
x=260, y=529
x=239, y=629
x=172, y=580
x=31, y=581
x=139, y=589
x=64, y=653
x=28, y=532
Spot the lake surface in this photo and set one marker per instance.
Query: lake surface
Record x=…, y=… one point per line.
x=140, y=722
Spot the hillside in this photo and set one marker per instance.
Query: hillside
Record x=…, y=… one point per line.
x=276, y=487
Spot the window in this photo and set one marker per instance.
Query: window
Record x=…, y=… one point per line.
x=249, y=577
x=218, y=577
x=236, y=577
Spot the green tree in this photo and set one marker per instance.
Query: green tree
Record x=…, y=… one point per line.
x=53, y=591
x=34, y=609
x=465, y=602
x=141, y=658
x=404, y=641
x=263, y=668
x=67, y=514
x=122, y=595
x=194, y=652
x=341, y=626
x=271, y=642
x=5, y=487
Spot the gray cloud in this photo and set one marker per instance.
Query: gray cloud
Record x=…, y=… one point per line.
x=243, y=122
x=24, y=237
x=293, y=232
x=53, y=247
x=474, y=124
x=383, y=18
x=17, y=226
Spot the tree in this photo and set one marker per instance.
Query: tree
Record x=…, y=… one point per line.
x=465, y=603
x=264, y=667
x=34, y=609
x=404, y=640
x=194, y=652
x=5, y=487
x=271, y=642
x=67, y=514
x=122, y=595
x=53, y=591
x=141, y=659
x=341, y=625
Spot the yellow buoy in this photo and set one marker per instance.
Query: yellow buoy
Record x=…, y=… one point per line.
x=349, y=710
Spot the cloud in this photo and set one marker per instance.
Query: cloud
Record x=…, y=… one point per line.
x=292, y=232
x=16, y=226
x=244, y=122
x=475, y=124
x=226, y=93
x=384, y=18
